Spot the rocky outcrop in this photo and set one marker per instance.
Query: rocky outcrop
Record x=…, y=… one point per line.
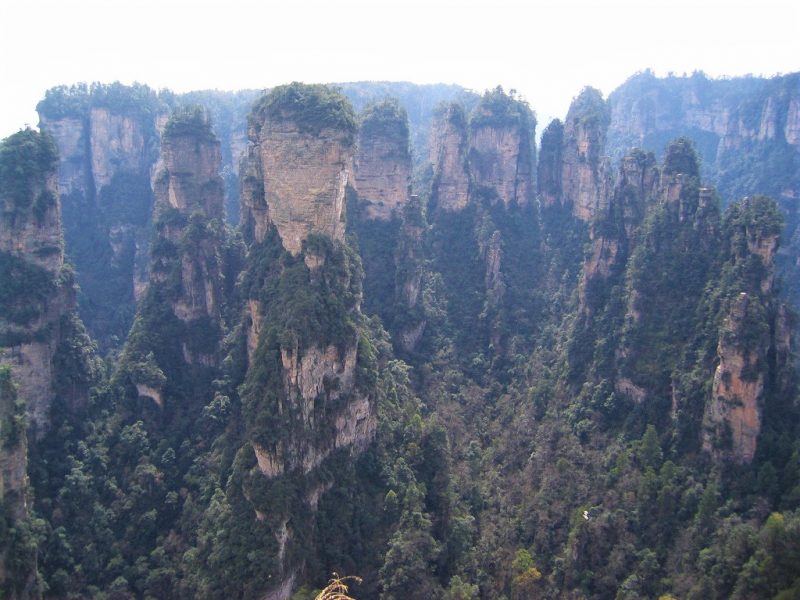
x=501, y=149
x=584, y=184
x=753, y=330
x=449, y=145
x=306, y=167
x=550, y=165
x=190, y=206
x=37, y=290
x=383, y=161
x=733, y=416
x=302, y=396
x=613, y=230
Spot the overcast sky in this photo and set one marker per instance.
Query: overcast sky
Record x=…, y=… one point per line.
x=547, y=50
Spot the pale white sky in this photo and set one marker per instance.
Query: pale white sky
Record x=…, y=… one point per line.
x=547, y=49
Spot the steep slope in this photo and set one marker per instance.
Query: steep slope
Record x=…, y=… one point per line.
x=388, y=223
x=484, y=224
x=305, y=399
x=107, y=142
x=745, y=130
x=45, y=361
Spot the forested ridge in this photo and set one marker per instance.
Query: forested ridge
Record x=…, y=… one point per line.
x=404, y=343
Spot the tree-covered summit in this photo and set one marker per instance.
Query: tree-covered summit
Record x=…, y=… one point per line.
x=313, y=107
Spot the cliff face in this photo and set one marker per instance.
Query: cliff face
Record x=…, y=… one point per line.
x=36, y=294
x=733, y=416
x=383, y=161
x=305, y=174
x=583, y=172
x=187, y=271
x=190, y=206
x=613, y=230
x=501, y=151
x=36, y=327
x=752, y=329
x=303, y=399
x=388, y=223
x=108, y=145
x=449, y=160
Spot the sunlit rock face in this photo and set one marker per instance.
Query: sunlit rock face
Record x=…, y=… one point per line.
x=584, y=180
x=301, y=173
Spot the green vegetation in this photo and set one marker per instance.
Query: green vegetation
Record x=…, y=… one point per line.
x=498, y=109
x=311, y=107
x=384, y=119
x=190, y=121
x=27, y=159
x=25, y=289
x=544, y=439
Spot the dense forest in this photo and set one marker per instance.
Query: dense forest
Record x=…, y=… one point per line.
x=252, y=339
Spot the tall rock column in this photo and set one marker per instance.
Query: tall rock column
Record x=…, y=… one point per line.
x=388, y=222
x=449, y=144
x=383, y=161
x=583, y=172
x=35, y=294
x=186, y=262
x=501, y=151
x=306, y=398
x=752, y=328
x=36, y=291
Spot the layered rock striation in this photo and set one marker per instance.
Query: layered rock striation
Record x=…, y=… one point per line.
x=187, y=270
x=306, y=398
x=753, y=335
x=305, y=156
x=36, y=289
x=383, y=161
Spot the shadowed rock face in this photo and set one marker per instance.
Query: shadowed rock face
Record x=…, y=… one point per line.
x=188, y=182
x=583, y=174
x=383, y=162
x=32, y=252
x=449, y=160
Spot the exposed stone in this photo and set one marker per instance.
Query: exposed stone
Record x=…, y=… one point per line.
x=449, y=160
x=69, y=135
x=188, y=182
x=304, y=181
x=147, y=391
x=584, y=172
x=117, y=144
x=500, y=158
x=383, y=162
x=30, y=232
x=733, y=415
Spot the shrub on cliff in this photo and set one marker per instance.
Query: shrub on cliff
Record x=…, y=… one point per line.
x=312, y=107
